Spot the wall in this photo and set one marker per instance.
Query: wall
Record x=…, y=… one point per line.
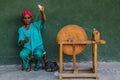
x=100, y=14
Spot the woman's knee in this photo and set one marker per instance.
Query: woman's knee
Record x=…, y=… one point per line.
x=24, y=54
x=38, y=54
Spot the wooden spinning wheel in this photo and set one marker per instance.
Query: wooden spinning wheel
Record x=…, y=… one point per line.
x=72, y=40
x=72, y=33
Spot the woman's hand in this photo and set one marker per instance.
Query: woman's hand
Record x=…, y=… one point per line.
x=42, y=10
x=26, y=39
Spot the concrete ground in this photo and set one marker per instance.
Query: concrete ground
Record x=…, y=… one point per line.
x=106, y=71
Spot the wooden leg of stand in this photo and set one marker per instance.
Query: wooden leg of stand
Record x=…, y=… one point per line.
x=95, y=64
x=61, y=60
x=74, y=62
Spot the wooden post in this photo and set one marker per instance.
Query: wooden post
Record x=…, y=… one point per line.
x=95, y=57
x=74, y=58
x=96, y=38
x=74, y=62
x=61, y=60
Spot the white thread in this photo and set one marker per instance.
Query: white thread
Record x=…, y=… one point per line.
x=39, y=6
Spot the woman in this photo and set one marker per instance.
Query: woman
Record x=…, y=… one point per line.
x=31, y=40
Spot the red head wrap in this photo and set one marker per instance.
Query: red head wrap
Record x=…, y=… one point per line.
x=26, y=12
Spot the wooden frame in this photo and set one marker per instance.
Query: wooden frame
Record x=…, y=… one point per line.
x=75, y=74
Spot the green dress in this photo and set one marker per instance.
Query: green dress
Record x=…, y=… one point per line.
x=35, y=44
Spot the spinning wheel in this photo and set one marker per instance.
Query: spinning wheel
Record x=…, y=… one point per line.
x=72, y=33
x=72, y=40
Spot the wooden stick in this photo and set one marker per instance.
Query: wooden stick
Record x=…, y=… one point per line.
x=83, y=42
x=61, y=60
x=88, y=75
x=82, y=69
x=95, y=65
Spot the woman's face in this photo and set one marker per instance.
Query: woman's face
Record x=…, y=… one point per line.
x=27, y=19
